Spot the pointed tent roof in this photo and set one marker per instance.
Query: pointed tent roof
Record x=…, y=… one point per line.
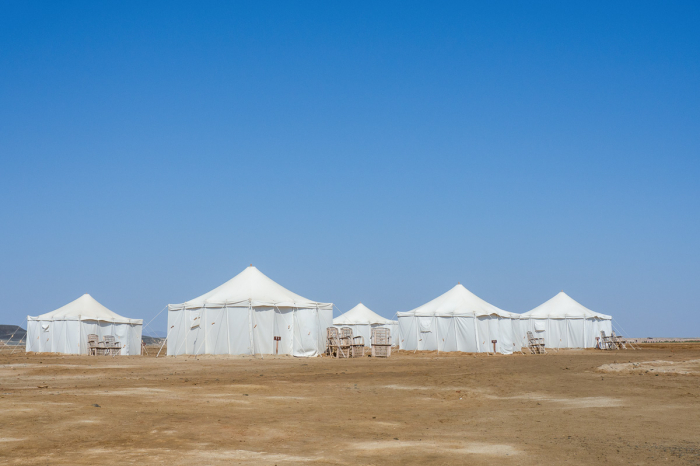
x=251, y=287
x=562, y=306
x=86, y=308
x=458, y=301
x=361, y=315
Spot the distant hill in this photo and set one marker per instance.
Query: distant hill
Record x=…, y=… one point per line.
x=6, y=332
x=152, y=341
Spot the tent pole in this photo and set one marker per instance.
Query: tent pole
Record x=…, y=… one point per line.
x=437, y=333
x=455, y=329
x=166, y=340
x=295, y=322
x=228, y=330
x=251, y=334
x=262, y=356
x=319, y=334
x=204, y=342
x=417, y=335
x=184, y=312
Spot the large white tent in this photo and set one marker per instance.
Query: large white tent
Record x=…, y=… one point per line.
x=361, y=320
x=65, y=330
x=564, y=323
x=459, y=321
x=244, y=316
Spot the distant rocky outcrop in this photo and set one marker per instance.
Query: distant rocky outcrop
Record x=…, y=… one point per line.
x=152, y=340
x=16, y=332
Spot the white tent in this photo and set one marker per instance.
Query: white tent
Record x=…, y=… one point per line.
x=244, y=316
x=564, y=323
x=361, y=320
x=459, y=321
x=65, y=330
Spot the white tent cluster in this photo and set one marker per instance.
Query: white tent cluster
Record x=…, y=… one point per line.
x=361, y=320
x=65, y=330
x=243, y=316
x=252, y=314
x=461, y=321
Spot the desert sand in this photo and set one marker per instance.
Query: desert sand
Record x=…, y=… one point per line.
x=567, y=407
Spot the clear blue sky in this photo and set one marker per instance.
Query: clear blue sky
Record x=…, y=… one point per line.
x=362, y=152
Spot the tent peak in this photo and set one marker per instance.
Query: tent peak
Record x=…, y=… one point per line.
x=251, y=286
x=360, y=315
x=457, y=301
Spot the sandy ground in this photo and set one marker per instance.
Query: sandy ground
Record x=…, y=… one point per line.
x=570, y=407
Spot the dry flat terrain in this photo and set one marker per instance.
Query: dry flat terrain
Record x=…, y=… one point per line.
x=570, y=407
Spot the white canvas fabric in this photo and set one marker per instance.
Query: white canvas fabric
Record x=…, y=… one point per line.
x=65, y=330
x=565, y=323
x=243, y=316
x=458, y=320
x=362, y=320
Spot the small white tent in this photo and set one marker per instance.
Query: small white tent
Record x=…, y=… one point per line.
x=65, y=330
x=564, y=323
x=361, y=320
x=459, y=321
x=245, y=315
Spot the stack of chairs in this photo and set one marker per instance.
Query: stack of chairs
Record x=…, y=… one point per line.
x=535, y=344
x=381, y=343
x=607, y=342
x=341, y=343
x=92, y=339
x=345, y=345
x=358, y=347
x=333, y=341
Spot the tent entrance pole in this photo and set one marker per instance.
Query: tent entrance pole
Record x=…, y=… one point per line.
x=184, y=342
x=228, y=330
x=437, y=335
x=455, y=329
x=166, y=339
x=417, y=335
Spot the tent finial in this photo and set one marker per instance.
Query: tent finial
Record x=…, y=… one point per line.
x=251, y=265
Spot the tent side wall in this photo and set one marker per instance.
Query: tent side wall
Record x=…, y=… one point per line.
x=33, y=342
x=70, y=336
x=240, y=330
x=567, y=332
x=53, y=336
x=458, y=333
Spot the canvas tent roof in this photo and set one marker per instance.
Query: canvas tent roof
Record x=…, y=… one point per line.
x=562, y=306
x=458, y=301
x=361, y=315
x=251, y=287
x=86, y=308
